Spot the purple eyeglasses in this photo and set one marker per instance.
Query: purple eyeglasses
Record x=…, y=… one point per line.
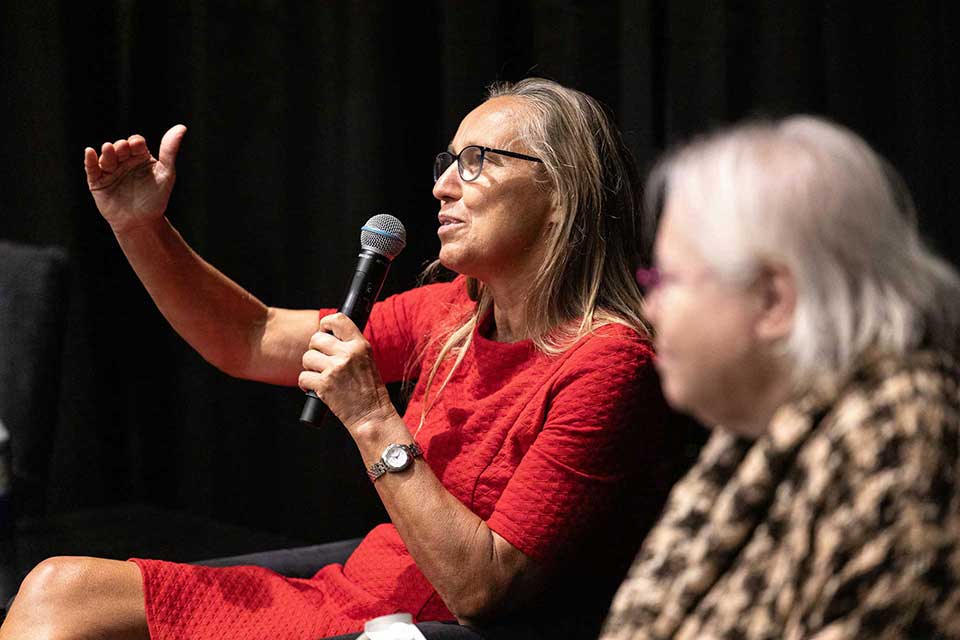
x=649, y=279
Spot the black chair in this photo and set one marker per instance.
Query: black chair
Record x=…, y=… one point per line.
x=544, y=623
x=34, y=301
x=32, y=311
x=33, y=304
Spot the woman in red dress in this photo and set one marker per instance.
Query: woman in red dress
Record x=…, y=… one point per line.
x=534, y=430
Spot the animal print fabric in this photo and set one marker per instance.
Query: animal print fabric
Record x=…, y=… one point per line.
x=843, y=521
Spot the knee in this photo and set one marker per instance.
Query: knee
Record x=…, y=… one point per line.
x=58, y=581
x=77, y=597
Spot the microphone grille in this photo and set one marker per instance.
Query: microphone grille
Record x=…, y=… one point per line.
x=384, y=234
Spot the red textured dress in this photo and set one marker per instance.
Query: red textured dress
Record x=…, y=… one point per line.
x=553, y=452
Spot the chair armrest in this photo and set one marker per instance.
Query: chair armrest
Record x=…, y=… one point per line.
x=298, y=562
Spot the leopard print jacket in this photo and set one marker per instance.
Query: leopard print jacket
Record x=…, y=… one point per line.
x=843, y=521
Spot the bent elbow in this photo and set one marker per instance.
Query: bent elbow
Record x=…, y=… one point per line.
x=483, y=603
x=230, y=363
x=244, y=355
x=509, y=580
x=476, y=607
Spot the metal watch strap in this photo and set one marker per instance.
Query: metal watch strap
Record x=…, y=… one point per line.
x=378, y=468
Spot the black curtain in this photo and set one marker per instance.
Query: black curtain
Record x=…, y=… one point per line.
x=307, y=118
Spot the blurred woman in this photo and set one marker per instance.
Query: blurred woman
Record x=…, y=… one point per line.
x=535, y=425
x=797, y=310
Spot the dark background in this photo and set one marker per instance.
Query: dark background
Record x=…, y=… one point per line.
x=307, y=118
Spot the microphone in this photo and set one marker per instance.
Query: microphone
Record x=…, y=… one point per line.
x=382, y=239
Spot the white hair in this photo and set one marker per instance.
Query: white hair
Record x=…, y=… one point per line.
x=813, y=196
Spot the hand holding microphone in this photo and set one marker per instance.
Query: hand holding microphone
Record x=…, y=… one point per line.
x=382, y=239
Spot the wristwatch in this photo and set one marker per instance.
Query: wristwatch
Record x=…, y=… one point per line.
x=396, y=457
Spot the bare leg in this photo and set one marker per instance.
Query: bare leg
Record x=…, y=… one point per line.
x=75, y=597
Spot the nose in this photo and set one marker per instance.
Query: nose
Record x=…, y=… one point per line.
x=448, y=186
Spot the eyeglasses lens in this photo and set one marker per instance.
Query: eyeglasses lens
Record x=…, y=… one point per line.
x=442, y=162
x=471, y=161
x=648, y=279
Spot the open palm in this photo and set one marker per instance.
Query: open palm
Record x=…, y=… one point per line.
x=129, y=185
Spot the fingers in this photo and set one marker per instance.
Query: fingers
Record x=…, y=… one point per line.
x=108, y=157
x=113, y=154
x=314, y=363
x=317, y=361
x=326, y=350
x=323, y=341
x=138, y=145
x=340, y=369
x=92, y=165
x=122, y=147
x=311, y=381
x=170, y=144
x=341, y=326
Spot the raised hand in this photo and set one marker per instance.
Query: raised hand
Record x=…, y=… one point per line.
x=130, y=186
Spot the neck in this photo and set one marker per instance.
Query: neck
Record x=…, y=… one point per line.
x=509, y=312
x=766, y=398
x=510, y=288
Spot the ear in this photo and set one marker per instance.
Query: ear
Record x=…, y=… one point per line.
x=553, y=214
x=778, y=299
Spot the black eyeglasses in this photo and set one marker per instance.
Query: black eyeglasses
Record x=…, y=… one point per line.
x=470, y=161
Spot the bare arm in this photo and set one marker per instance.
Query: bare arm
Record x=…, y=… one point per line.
x=227, y=325
x=476, y=572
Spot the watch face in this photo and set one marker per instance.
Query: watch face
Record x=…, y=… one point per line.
x=396, y=458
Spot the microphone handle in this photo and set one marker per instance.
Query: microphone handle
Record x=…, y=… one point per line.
x=314, y=411
x=365, y=286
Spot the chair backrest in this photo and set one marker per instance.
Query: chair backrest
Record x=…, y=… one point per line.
x=33, y=304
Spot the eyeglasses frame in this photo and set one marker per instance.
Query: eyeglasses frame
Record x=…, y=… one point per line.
x=483, y=153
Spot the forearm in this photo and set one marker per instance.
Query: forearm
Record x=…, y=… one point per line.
x=226, y=324
x=474, y=570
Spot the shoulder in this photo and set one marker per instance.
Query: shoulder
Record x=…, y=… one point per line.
x=898, y=416
x=911, y=394
x=889, y=486
x=612, y=358
x=433, y=300
x=439, y=293
x=612, y=344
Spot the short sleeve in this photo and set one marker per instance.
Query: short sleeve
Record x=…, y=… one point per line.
x=601, y=436
x=400, y=326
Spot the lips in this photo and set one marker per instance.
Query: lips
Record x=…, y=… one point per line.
x=448, y=226
x=446, y=220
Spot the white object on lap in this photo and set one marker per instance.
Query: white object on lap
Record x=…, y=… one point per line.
x=397, y=626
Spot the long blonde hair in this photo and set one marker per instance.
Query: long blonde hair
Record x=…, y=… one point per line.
x=587, y=279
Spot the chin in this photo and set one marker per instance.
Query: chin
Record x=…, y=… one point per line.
x=447, y=260
x=454, y=262
x=679, y=397
x=711, y=414
x=672, y=392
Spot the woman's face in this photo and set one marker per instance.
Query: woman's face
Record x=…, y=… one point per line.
x=493, y=228
x=712, y=362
